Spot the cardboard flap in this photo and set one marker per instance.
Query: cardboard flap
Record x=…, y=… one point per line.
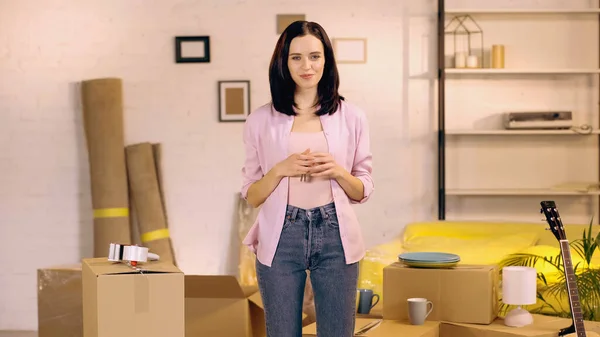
x=256, y=300
x=212, y=286
x=249, y=290
x=257, y=315
x=64, y=267
x=101, y=266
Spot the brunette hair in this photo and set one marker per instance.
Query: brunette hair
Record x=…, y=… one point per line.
x=281, y=82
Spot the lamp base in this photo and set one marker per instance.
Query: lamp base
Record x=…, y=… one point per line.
x=518, y=317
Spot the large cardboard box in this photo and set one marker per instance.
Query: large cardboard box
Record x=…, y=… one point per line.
x=464, y=294
x=119, y=300
x=59, y=301
x=218, y=305
x=386, y=329
x=543, y=326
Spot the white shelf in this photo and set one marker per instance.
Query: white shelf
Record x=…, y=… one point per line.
x=492, y=71
x=523, y=11
x=518, y=192
x=520, y=132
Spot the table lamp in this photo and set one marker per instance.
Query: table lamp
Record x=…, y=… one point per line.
x=519, y=287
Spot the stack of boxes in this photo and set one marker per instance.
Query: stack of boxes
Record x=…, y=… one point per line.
x=465, y=304
x=100, y=298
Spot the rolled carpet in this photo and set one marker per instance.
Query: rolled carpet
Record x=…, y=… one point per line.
x=150, y=215
x=157, y=150
x=102, y=101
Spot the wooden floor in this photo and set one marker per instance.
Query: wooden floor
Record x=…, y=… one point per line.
x=18, y=334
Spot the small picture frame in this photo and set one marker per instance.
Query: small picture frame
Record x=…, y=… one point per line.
x=192, y=49
x=350, y=50
x=234, y=100
x=284, y=20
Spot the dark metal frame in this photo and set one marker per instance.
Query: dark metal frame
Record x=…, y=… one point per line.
x=441, y=18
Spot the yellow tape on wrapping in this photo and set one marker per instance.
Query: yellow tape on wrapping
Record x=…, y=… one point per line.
x=111, y=212
x=155, y=235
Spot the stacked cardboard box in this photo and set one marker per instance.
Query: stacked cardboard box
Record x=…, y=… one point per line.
x=108, y=296
x=387, y=328
x=464, y=294
x=465, y=303
x=108, y=299
x=120, y=300
x=59, y=301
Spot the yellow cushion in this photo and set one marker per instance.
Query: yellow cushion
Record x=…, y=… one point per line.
x=479, y=229
x=371, y=266
x=478, y=250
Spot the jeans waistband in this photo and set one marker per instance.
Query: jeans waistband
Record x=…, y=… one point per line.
x=325, y=210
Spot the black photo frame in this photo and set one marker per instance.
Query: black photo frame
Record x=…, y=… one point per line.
x=180, y=58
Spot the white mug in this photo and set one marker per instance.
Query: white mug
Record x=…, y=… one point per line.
x=418, y=311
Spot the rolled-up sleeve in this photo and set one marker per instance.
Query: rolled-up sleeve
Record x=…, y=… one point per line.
x=251, y=171
x=363, y=160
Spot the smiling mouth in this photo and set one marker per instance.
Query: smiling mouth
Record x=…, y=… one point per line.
x=306, y=76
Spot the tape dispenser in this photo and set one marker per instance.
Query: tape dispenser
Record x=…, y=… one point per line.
x=132, y=254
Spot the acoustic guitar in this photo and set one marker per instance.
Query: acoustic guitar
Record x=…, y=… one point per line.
x=577, y=328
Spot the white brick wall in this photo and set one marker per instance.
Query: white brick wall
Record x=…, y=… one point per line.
x=47, y=47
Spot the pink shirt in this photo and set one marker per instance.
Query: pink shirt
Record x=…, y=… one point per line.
x=266, y=142
x=313, y=191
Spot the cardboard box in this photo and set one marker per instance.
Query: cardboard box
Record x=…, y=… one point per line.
x=121, y=301
x=387, y=329
x=543, y=326
x=219, y=306
x=464, y=294
x=59, y=301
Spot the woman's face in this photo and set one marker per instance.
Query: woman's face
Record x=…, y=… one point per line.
x=306, y=61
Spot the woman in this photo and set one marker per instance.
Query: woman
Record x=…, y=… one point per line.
x=307, y=160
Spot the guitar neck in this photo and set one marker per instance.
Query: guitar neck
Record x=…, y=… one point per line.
x=572, y=291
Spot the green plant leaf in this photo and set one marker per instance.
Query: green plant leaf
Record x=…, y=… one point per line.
x=531, y=260
x=588, y=279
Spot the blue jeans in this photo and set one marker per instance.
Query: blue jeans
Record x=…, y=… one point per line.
x=310, y=240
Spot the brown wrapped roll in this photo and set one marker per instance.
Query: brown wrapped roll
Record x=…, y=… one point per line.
x=146, y=196
x=102, y=101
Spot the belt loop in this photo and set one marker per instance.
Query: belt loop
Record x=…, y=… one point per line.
x=323, y=213
x=294, y=213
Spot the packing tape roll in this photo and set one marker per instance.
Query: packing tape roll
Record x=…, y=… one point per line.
x=111, y=212
x=130, y=253
x=135, y=253
x=155, y=235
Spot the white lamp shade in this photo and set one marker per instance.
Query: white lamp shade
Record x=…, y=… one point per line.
x=519, y=285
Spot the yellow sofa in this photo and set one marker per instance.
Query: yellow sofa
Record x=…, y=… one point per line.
x=476, y=242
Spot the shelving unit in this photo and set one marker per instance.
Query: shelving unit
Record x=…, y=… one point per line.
x=552, y=158
x=521, y=132
x=489, y=71
x=527, y=11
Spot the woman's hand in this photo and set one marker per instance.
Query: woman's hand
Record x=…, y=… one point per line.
x=325, y=166
x=295, y=165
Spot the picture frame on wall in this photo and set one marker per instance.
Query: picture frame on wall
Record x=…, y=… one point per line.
x=284, y=20
x=350, y=50
x=192, y=49
x=234, y=100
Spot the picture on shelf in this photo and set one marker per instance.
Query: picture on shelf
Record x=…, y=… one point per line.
x=192, y=49
x=234, y=100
